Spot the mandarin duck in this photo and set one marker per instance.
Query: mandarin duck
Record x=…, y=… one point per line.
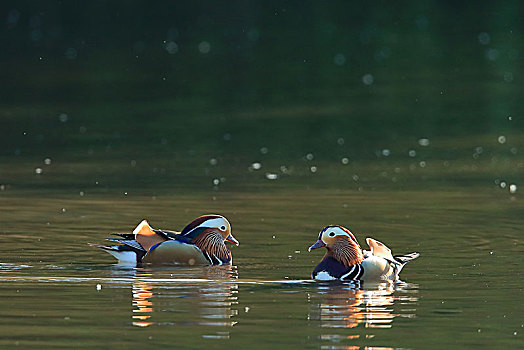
x=345, y=260
x=202, y=242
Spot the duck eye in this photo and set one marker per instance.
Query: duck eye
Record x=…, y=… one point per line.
x=222, y=228
x=332, y=234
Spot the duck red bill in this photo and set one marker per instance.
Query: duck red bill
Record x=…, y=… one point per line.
x=318, y=244
x=232, y=239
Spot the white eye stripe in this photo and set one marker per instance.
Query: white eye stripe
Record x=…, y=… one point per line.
x=218, y=222
x=332, y=231
x=338, y=233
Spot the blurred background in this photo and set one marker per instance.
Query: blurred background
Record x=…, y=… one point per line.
x=247, y=93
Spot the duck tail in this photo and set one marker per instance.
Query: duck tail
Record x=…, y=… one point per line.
x=124, y=253
x=404, y=259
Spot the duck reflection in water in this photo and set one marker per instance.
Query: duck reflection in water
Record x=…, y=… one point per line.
x=204, y=297
x=353, y=305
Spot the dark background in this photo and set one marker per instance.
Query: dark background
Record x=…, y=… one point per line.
x=129, y=79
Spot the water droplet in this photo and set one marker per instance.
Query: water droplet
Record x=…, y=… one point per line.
x=512, y=188
x=422, y=164
x=339, y=59
x=412, y=153
x=484, y=38
x=340, y=141
x=256, y=166
x=309, y=156
x=367, y=79
x=501, y=139
x=423, y=142
x=216, y=182
x=82, y=193
x=125, y=193
x=356, y=177
x=204, y=47
x=271, y=176
x=38, y=171
x=171, y=47
x=12, y=17
x=98, y=287
x=508, y=77
x=492, y=54
x=284, y=169
x=503, y=184
x=264, y=150
x=313, y=169
x=63, y=210
x=63, y=117
x=345, y=161
x=133, y=163
x=47, y=161
x=213, y=161
x=386, y=152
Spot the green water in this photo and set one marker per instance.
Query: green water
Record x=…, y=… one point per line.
x=402, y=122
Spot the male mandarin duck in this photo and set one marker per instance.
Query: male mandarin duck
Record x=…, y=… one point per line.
x=202, y=242
x=345, y=260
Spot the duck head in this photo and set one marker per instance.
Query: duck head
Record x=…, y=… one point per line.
x=340, y=243
x=209, y=233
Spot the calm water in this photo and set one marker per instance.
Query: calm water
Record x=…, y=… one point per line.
x=401, y=122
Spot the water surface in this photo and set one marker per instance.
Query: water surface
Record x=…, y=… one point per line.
x=402, y=122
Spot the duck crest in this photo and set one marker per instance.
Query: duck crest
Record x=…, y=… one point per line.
x=346, y=251
x=190, y=231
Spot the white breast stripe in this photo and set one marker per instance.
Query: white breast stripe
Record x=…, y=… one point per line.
x=349, y=273
x=354, y=274
x=206, y=255
x=360, y=271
